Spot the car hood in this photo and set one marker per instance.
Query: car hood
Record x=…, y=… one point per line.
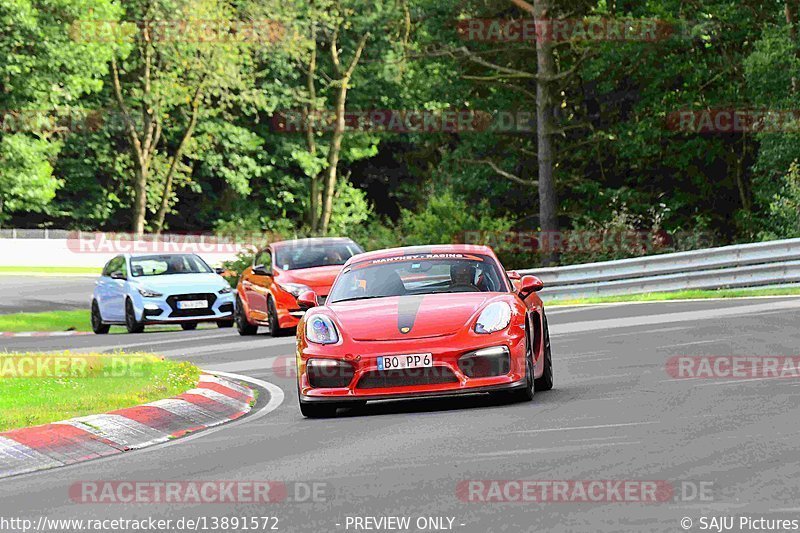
x=182, y=283
x=409, y=317
x=319, y=279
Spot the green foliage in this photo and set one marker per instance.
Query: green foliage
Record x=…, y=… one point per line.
x=784, y=210
x=619, y=165
x=42, y=70
x=446, y=218
x=26, y=176
x=769, y=70
x=350, y=209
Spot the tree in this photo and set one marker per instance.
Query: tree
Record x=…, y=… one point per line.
x=43, y=71
x=168, y=77
x=26, y=176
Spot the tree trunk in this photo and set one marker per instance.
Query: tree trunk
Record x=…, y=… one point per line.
x=741, y=185
x=142, y=146
x=176, y=158
x=165, y=195
x=790, y=12
x=545, y=62
x=333, y=158
x=312, y=216
x=338, y=130
x=140, y=200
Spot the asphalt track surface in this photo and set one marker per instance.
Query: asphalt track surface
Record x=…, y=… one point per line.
x=614, y=414
x=37, y=293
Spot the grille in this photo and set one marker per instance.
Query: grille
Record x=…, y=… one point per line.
x=406, y=378
x=182, y=313
x=474, y=366
x=330, y=377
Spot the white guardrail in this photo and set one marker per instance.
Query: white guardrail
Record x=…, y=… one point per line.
x=747, y=265
x=59, y=248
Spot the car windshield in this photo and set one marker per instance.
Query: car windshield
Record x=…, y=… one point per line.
x=160, y=265
x=418, y=274
x=304, y=255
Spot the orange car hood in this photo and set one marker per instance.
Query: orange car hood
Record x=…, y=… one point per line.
x=319, y=279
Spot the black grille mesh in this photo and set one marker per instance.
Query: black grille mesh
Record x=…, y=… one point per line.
x=406, y=378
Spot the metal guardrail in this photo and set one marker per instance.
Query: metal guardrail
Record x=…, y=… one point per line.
x=46, y=233
x=747, y=265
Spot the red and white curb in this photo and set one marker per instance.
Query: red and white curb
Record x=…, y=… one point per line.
x=215, y=401
x=44, y=333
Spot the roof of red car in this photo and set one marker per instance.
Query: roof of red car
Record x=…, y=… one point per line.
x=428, y=249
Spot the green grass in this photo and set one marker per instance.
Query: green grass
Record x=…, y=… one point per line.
x=47, y=321
x=681, y=295
x=97, y=383
x=66, y=321
x=49, y=270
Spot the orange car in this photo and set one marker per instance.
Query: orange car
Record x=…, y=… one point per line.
x=268, y=290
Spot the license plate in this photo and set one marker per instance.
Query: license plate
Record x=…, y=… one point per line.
x=414, y=360
x=193, y=304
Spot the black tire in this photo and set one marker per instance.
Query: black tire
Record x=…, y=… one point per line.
x=133, y=325
x=318, y=410
x=189, y=326
x=545, y=382
x=244, y=327
x=97, y=321
x=525, y=394
x=224, y=323
x=274, y=328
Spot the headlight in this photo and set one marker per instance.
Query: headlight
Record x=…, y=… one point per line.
x=147, y=293
x=225, y=290
x=295, y=289
x=495, y=316
x=320, y=330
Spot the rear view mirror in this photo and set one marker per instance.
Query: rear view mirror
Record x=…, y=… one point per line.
x=261, y=270
x=529, y=285
x=307, y=300
x=219, y=270
x=118, y=275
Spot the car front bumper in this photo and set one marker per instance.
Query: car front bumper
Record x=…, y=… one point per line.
x=370, y=383
x=164, y=309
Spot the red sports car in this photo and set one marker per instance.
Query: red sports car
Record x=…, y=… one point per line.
x=422, y=321
x=267, y=291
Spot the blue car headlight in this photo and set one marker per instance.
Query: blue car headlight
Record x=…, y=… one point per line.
x=148, y=293
x=321, y=330
x=494, y=317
